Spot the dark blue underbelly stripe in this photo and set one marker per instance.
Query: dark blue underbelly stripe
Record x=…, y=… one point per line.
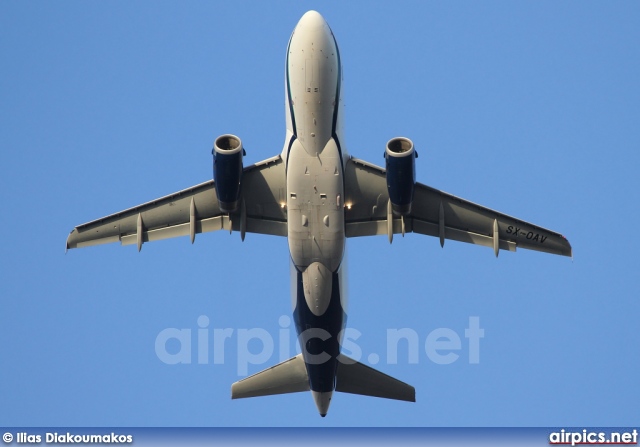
x=321, y=376
x=338, y=86
x=293, y=117
x=336, y=109
x=286, y=168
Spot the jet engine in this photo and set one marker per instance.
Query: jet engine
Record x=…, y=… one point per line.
x=227, y=171
x=400, y=158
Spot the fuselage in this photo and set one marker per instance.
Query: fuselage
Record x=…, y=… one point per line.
x=311, y=169
x=314, y=155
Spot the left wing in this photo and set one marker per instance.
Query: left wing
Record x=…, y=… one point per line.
x=196, y=210
x=439, y=214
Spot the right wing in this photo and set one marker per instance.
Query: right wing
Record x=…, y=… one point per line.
x=196, y=210
x=439, y=214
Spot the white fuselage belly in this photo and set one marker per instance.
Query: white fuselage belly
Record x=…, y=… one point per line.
x=315, y=187
x=315, y=196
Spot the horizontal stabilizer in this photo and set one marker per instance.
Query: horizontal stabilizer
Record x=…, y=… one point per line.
x=289, y=376
x=355, y=378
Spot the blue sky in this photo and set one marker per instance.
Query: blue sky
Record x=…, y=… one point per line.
x=530, y=108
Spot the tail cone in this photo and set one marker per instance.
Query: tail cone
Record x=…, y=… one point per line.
x=322, y=401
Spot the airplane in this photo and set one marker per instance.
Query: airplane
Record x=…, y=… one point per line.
x=317, y=196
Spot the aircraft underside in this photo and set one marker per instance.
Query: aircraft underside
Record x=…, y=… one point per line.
x=316, y=196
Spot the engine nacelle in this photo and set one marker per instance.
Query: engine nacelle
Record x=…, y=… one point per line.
x=227, y=171
x=400, y=158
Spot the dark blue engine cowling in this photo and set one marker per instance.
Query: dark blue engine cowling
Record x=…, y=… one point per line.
x=227, y=171
x=401, y=174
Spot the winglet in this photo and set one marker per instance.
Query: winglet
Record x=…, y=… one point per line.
x=441, y=225
x=66, y=245
x=496, y=238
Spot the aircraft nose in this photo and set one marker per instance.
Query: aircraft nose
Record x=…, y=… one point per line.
x=312, y=20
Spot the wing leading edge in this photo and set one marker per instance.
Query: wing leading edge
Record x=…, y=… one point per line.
x=439, y=214
x=196, y=210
